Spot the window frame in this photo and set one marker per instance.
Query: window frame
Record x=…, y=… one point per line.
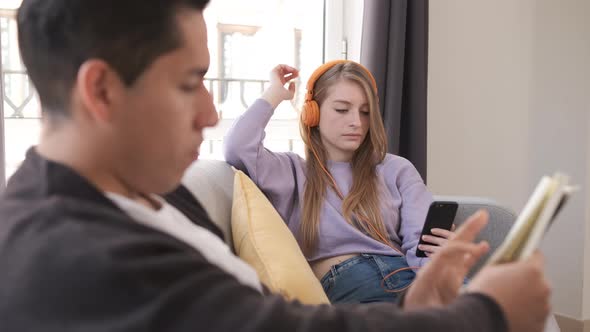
x=339, y=37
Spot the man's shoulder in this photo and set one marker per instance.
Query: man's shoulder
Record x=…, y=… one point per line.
x=59, y=212
x=63, y=259
x=60, y=235
x=62, y=231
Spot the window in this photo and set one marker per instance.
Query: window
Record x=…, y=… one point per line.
x=20, y=107
x=246, y=40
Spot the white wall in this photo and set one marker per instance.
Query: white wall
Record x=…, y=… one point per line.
x=560, y=104
x=509, y=101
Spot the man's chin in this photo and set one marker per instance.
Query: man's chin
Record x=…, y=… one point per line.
x=168, y=187
x=171, y=182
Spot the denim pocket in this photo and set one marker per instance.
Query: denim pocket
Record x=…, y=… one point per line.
x=327, y=281
x=358, y=280
x=347, y=264
x=390, y=264
x=339, y=275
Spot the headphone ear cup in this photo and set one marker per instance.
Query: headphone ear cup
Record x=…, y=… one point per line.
x=310, y=115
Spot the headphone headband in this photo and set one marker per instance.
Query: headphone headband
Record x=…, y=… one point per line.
x=321, y=70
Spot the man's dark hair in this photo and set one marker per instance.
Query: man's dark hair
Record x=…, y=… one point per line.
x=57, y=36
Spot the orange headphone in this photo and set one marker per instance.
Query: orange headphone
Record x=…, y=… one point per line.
x=310, y=112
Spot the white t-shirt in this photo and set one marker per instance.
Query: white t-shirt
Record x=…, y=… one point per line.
x=172, y=222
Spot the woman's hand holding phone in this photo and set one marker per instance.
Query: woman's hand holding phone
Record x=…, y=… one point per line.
x=437, y=240
x=438, y=227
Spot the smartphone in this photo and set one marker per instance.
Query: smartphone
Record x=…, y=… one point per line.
x=440, y=215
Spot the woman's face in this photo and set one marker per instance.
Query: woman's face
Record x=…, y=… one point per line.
x=344, y=119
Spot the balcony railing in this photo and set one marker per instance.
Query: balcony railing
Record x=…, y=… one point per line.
x=227, y=93
x=231, y=97
x=17, y=101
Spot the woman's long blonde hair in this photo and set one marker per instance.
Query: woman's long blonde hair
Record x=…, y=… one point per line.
x=362, y=201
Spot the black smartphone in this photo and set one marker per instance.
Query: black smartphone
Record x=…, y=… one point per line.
x=440, y=215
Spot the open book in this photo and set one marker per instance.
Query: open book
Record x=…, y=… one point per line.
x=524, y=237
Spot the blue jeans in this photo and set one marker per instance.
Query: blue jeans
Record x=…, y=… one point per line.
x=358, y=279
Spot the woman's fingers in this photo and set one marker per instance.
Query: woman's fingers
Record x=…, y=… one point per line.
x=428, y=249
x=442, y=233
x=439, y=241
x=287, y=73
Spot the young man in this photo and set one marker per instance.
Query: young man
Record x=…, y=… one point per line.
x=90, y=242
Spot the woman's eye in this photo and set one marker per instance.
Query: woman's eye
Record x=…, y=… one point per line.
x=365, y=113
x=341, y=110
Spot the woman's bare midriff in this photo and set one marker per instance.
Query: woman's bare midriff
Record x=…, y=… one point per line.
x=321, y=267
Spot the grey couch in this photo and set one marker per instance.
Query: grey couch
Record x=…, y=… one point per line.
x=211, y=181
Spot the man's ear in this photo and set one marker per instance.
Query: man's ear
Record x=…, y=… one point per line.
x=99, y=88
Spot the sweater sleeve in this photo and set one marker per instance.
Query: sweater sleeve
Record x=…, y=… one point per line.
x=273, y=173
x=148, y=282
x=415, y=201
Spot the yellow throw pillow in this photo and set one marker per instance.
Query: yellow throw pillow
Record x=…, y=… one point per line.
x=262, y=239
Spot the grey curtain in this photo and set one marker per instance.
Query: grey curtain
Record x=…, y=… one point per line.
x=395, y=48
x=2, y=133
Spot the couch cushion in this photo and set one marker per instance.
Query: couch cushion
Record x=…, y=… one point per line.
x=211, y=182
x=500, y=222
x=262, y=239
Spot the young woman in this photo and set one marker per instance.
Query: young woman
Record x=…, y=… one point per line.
x=355, y=210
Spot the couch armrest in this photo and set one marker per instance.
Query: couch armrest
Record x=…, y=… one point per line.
x=501, y=220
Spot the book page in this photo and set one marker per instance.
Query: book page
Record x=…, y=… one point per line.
x=550, y=210
x=516, y=239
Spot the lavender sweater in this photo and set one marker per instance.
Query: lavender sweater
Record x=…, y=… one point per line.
x=281, y=176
